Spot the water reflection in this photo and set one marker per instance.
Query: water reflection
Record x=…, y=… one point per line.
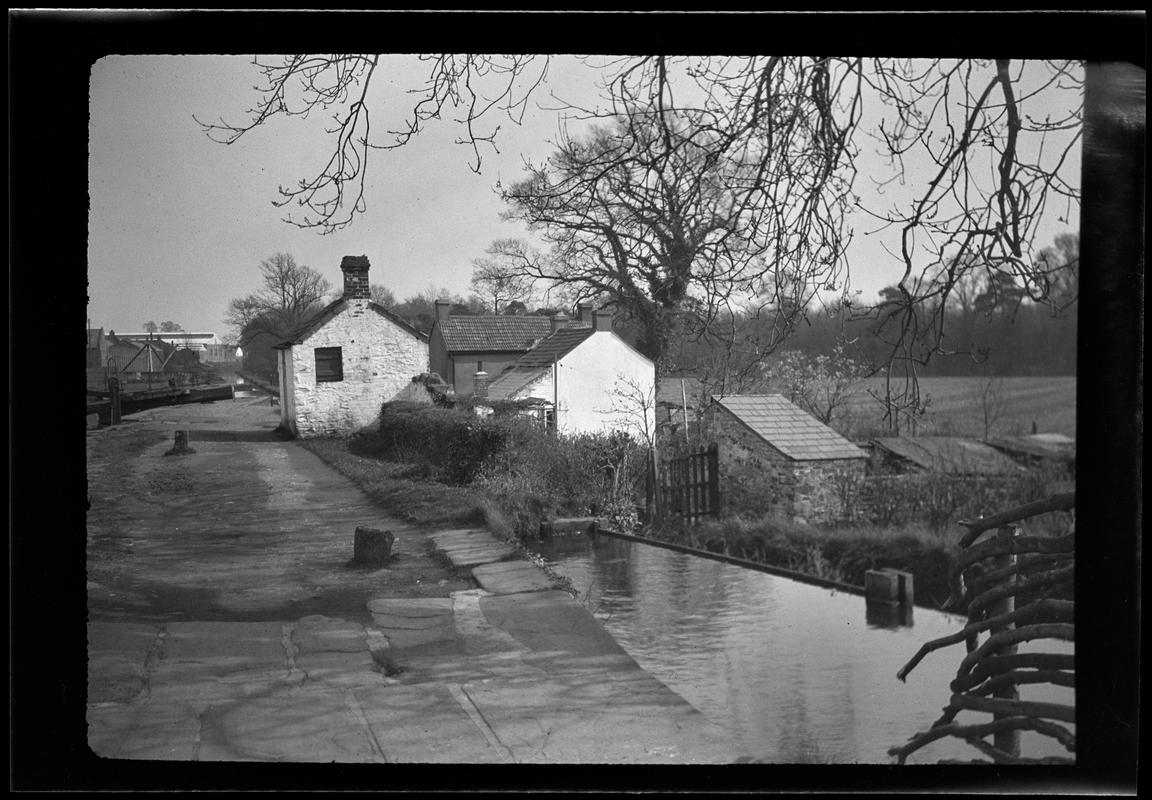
x=796, y=673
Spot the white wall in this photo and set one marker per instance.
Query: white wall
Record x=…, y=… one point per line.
x=380, y=359
x=597, y=385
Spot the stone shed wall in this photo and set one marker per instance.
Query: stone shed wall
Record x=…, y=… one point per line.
x=757, y=478
x=379, y=360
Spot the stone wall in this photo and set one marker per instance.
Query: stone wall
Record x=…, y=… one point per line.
x=756, y=478
x=379, y=360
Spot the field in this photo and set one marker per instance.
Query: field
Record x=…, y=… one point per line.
x=956, y=407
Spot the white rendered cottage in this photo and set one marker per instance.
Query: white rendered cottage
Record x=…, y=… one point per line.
x=586, y=377
x=354, y=355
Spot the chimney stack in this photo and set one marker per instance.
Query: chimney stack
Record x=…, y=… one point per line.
x=559, y=321
x=355, y=269
x=584, y=313
x=480, y=384
x=602, y=321
x=442, y=309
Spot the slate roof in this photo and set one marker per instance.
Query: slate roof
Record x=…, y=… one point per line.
x=788, y=428
x=536, y=362
x=468, y=334
x=1053, y=446
x=334, y=308
x=952, y=455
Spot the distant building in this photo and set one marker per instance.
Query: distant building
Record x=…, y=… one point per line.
x=1039, y=449
x=583, y=377
x=950, y=455
x=340, y=367
x=460, y=345
x=97, y=355
x=205, y=344
x=776, y=457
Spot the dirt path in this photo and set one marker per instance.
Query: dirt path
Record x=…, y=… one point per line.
x=248, y=528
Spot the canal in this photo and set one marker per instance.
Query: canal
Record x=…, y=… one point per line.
x=795, y=673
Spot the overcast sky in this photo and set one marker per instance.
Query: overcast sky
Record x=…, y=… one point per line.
x=179, y=224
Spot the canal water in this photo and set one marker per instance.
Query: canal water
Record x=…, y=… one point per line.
x=795, y=673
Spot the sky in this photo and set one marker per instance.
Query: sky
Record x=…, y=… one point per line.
x=179, y=224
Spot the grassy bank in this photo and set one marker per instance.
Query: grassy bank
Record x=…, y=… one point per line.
x=836, y=554
x=415, y=495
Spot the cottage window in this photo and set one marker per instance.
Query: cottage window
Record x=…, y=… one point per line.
x=329, y=364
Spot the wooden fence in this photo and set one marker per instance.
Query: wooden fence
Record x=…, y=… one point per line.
x=1014, y=588
x=686, y=487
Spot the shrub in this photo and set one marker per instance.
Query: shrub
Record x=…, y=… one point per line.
x=528, y=474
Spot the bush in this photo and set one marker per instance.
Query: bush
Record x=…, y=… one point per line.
x=528, y=474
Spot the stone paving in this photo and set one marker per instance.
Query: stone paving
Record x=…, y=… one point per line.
x=512, y=670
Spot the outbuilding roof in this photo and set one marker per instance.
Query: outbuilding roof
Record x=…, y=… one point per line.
x=788, y=428
x=949, y=454
x=475, y=334
x=536, y=362
x=1053, y=446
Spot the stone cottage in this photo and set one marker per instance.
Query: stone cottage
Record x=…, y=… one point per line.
x=342, y=364
x=776, y=457
x=584, y=378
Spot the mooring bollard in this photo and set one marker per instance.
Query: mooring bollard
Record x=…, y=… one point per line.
x=180, y=448
x=372, y=546
x=888, y=586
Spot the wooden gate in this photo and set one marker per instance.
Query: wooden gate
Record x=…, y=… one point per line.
x=688, y=486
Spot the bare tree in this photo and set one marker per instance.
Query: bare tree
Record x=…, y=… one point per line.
x=767, y=144
x=382, y=295
x=289, y=293
x=498, y=278
x=680, y=222
x=298, y=86
x=992, y=403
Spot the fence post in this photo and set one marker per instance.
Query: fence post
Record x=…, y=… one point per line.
x=114, y=400
x=1008, y=740
x=714, y=478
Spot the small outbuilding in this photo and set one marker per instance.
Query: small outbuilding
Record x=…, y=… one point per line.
x=950, y=455
x=345, y=362
x=776, y=457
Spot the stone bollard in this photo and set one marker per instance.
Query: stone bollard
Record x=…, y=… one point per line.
x=372, y=546
x=888, y=586
x=181, y=448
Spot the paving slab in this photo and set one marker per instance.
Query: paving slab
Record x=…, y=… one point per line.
x=414, y=623
x=549, y=621
x=463, y=558
x=512, y=577
x=616, y=718
x=425, y=724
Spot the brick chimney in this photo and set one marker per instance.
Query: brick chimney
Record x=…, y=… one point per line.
x=355, y=269
x=442, y=308
x=480, y=384
x=559, y=321
x=584, y=313
x=602, y=321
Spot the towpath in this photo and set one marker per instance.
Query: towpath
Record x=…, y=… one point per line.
x=226, y=622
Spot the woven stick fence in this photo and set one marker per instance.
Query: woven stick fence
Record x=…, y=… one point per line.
x=1014, y=588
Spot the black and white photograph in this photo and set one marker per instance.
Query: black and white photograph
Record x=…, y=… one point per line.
x=756, y=393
